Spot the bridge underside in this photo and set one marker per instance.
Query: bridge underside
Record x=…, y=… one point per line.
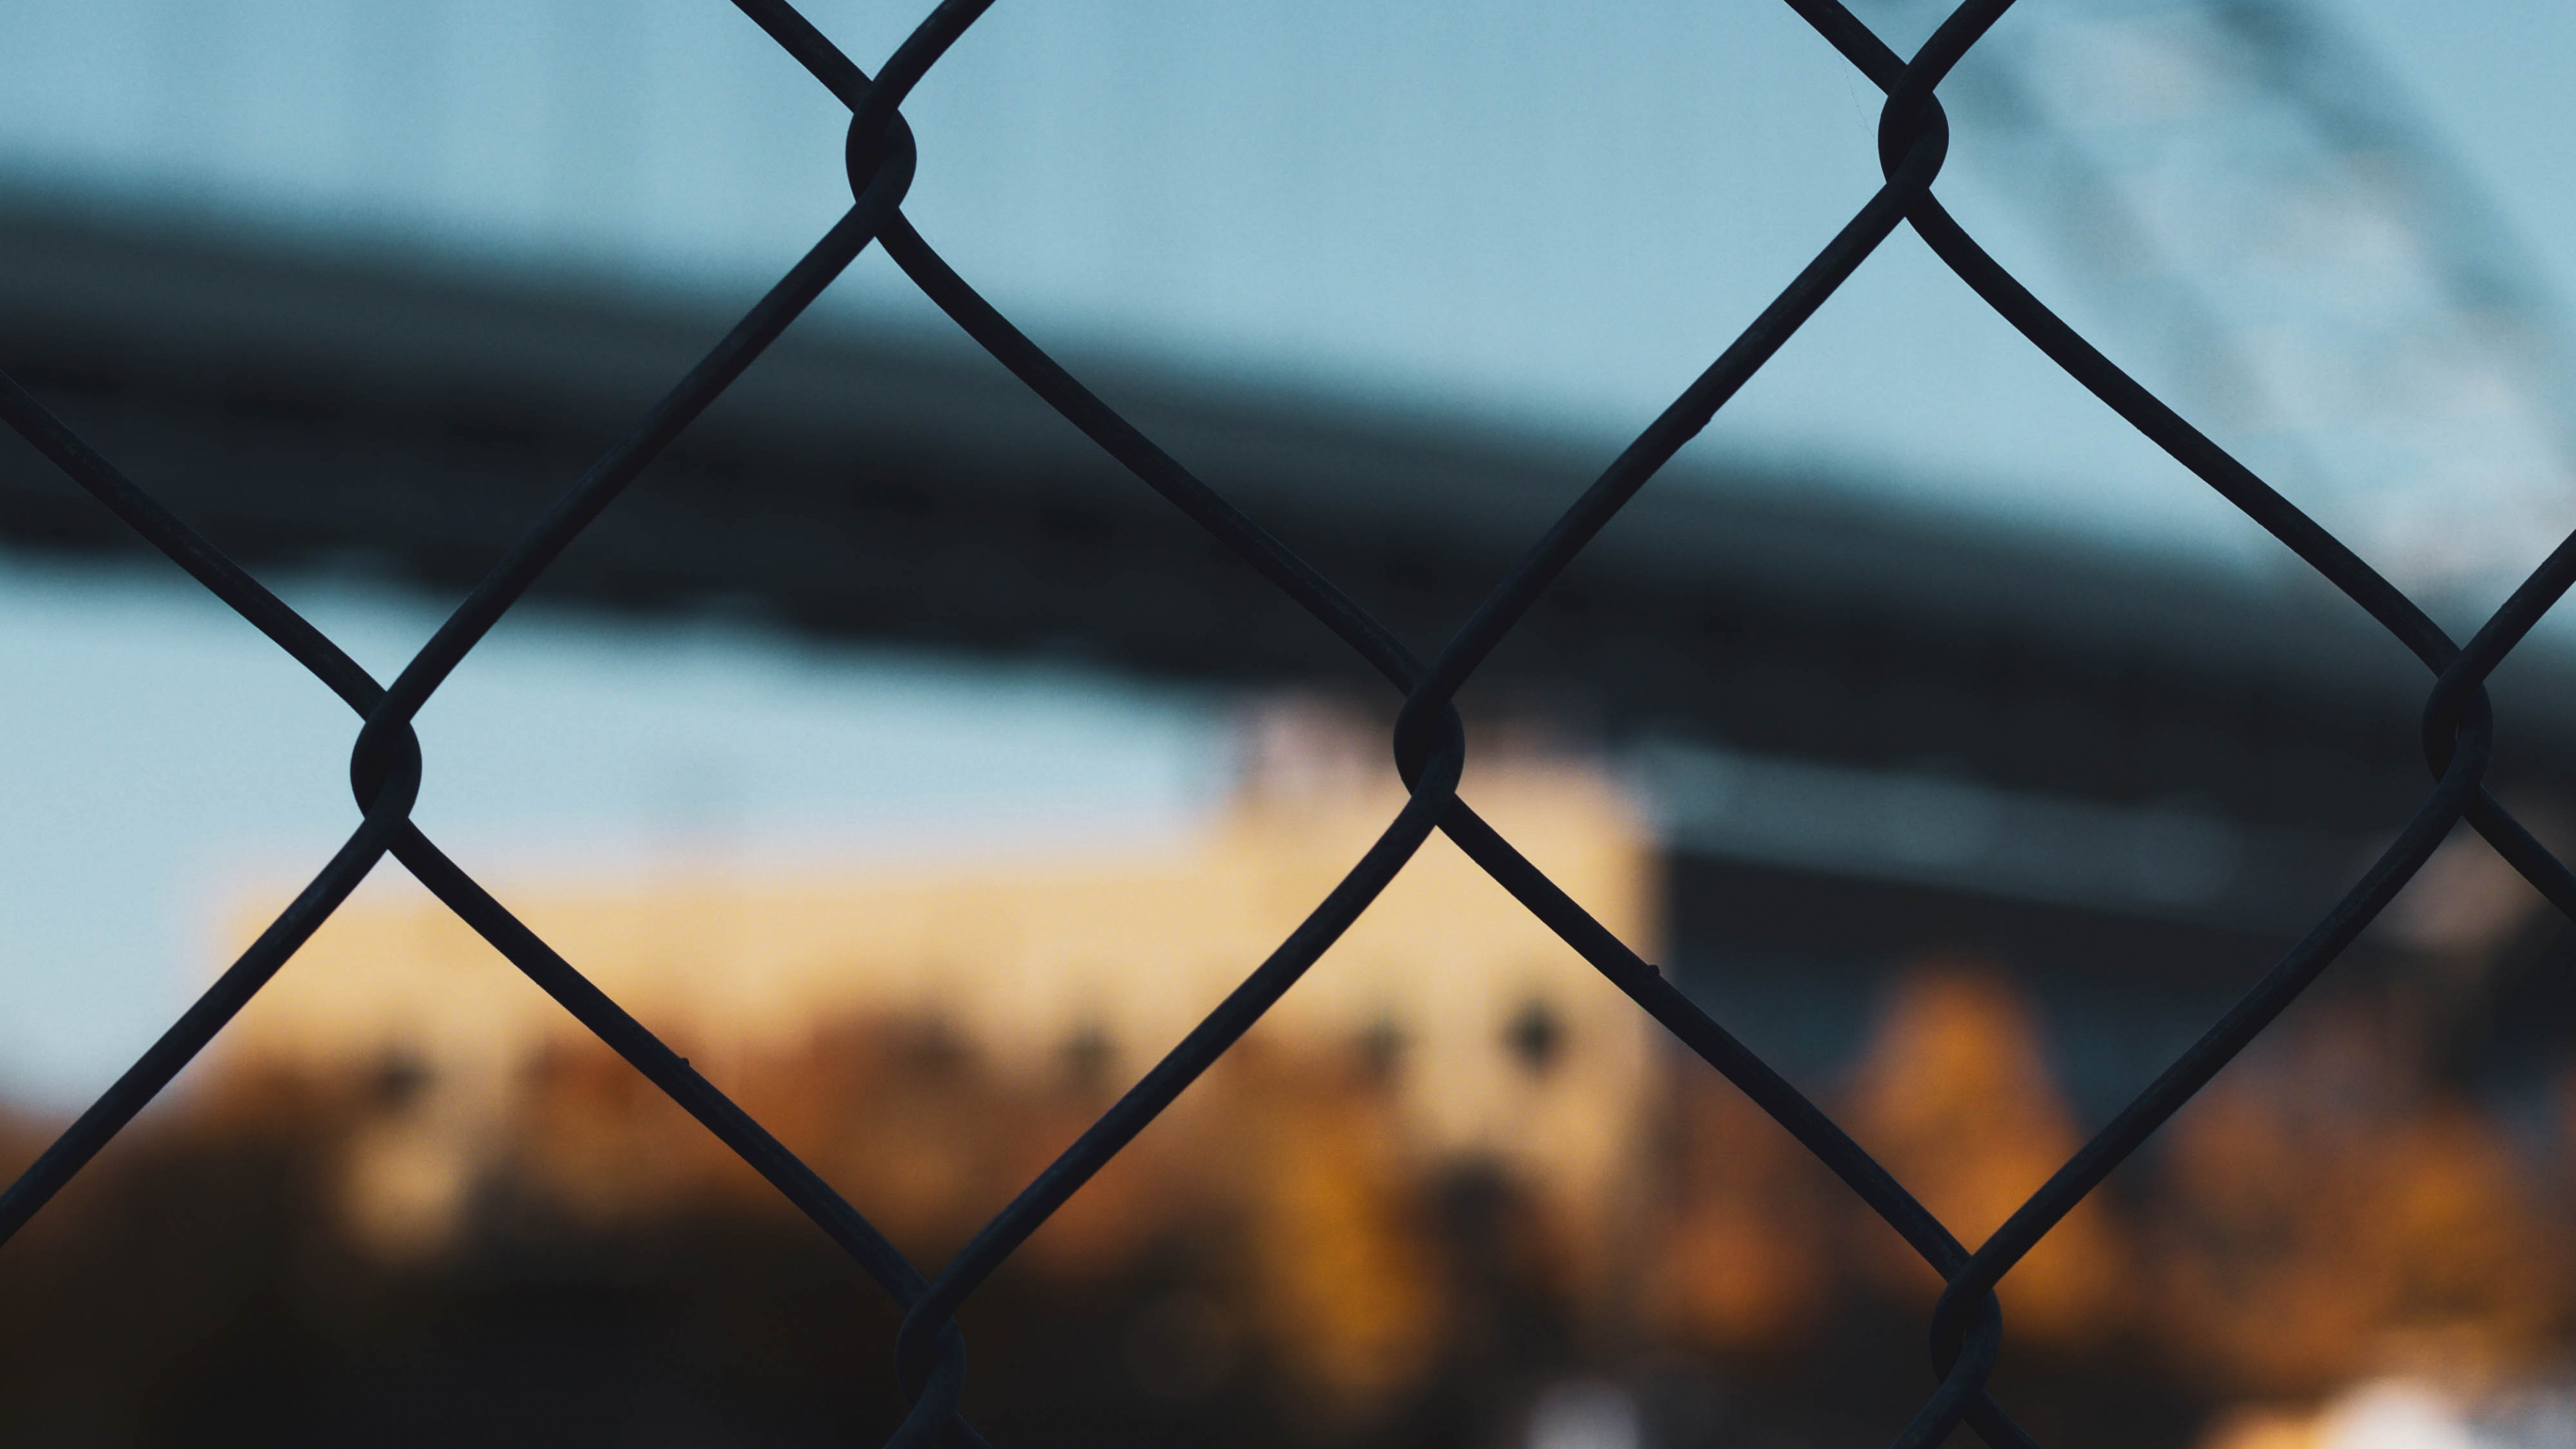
x=323, y=411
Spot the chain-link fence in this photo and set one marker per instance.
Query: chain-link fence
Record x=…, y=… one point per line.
x=1430, y=741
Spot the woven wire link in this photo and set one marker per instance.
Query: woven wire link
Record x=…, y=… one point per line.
x=1429, y=739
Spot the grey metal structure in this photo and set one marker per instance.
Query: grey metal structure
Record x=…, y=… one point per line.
x=2256, y=214
x=318, y=409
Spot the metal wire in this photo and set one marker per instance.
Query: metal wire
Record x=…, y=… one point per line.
x=1429, y=740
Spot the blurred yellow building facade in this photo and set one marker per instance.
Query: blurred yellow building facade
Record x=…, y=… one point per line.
x=1498, y=1044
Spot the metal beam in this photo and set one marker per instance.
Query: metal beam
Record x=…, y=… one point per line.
x=309, y=407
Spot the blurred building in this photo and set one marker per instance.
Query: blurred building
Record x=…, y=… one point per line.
x=1494, y=1040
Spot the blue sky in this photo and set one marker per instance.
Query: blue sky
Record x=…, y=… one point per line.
x=1544, y=215
x=1550, y=215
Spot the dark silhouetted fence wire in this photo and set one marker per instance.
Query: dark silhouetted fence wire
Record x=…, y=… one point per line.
x=1429, y=740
